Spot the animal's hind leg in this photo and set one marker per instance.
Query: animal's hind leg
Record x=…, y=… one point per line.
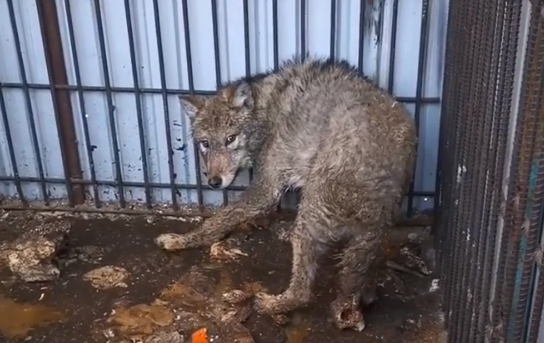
x=306, y=251
x=356, y=282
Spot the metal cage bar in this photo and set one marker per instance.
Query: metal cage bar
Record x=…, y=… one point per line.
x=82, y=107
x=403, y=99
x=419, y=87
x=138, y=99
x=492, y=281
x=26, y=89
x=167, y=121
x=111, y=107
x=190, y=76
x=138, y=91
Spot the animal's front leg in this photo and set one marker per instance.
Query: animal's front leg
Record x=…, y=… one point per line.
x=258, y=200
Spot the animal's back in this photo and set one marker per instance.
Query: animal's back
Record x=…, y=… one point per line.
x=333, y=127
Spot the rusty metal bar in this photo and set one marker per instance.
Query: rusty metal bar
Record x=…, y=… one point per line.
x=52, y=42
x=530, y=180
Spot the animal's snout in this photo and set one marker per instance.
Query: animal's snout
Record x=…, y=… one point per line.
x=215, y=182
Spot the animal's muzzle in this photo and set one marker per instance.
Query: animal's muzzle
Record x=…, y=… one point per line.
x=215, y=182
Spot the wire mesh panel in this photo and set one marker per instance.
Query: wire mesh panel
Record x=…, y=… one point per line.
x=491, y=192
x=115, y=69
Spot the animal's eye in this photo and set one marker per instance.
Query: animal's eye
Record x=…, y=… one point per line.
x=230, y=139
x=205, y=144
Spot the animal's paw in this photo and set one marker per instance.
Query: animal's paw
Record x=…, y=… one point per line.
x=278, y=304
x=170, y=242
x=347, y=314
x=268, y=304
x=273, y=306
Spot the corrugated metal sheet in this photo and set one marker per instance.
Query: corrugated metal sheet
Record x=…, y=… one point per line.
x=231, y=43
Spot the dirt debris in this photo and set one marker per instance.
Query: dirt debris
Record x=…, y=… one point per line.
x=195, y=291
x=164, y=336
x=32, y=256
x=107, y=277
x=139, y=321
x=191, y=285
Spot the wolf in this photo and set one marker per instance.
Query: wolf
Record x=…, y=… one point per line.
x=318, y=126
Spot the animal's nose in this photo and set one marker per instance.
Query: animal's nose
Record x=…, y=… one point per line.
x=215, y=182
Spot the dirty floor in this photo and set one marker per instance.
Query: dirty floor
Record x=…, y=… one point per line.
x=149, y=293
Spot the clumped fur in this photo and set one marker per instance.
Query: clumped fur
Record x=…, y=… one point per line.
x=319, y=126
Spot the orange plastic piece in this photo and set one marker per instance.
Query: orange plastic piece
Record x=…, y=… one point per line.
x=200, y=336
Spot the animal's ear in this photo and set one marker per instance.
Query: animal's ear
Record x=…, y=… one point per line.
x=191, y=105
x=238, y=95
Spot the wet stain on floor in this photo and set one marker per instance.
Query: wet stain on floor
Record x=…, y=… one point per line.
x=161, y=293
x=299, y=328
x=18, y=319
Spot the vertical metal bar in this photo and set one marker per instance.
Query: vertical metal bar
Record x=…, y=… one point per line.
x=446, y=154
x=531, y=181
x=440, y=228
x=303, y=47
x=217, y=66
x=190, y=77
x=28, y=103
x=275, y=34
x=486, y=209
x=506, y=66
x=419, y=87
x=246, y=38
x=333, y=29
x=247, y=54
x=166, y=110
x=83, y=111
x=461, y=11
x=109, y=99
x=361, y=36
x=469, y=137
x=361, y=53
x=392, y=51
x=11, y=149
x=538, y=307
x=56, y=69
x=138, y=99
x=481, y=101
x=511, y=32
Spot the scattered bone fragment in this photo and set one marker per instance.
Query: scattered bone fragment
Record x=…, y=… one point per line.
x=221, y=251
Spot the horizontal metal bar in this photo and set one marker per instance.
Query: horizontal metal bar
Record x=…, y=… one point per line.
x=188, y=211
x=431, y=100
x=143, y=184
x=113, y=183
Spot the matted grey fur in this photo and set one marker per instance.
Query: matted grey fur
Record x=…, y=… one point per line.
x=318, y=126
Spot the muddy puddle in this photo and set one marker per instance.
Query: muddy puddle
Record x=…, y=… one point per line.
x=18, y=319
x=122, y=287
